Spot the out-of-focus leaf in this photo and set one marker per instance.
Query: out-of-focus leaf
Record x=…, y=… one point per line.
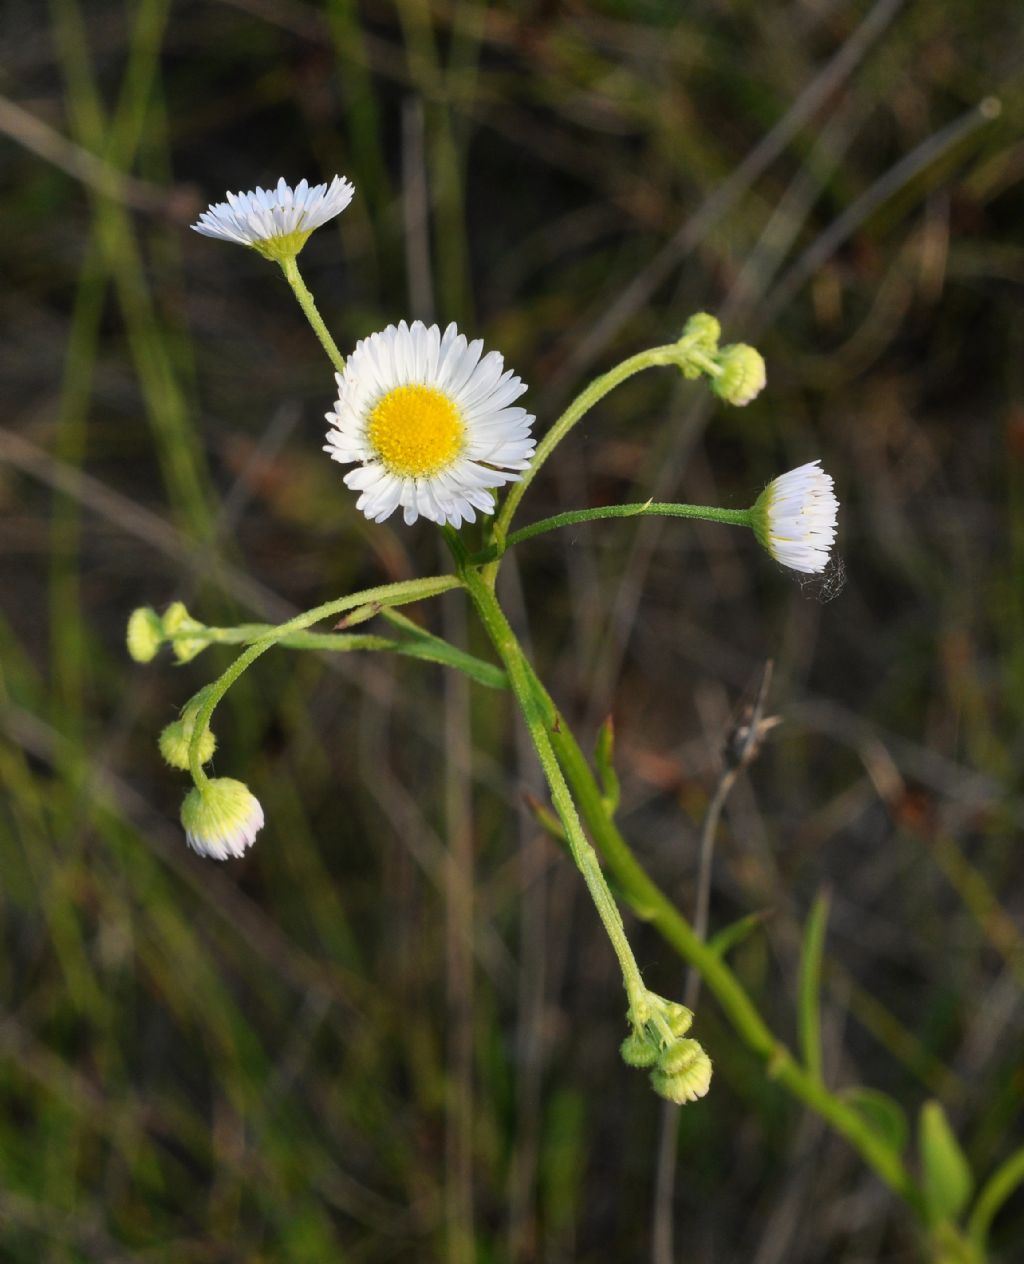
x=945, y=1171
x=604, y=754
x=882, y=1113
x=1003, y=1182
x=735, y=933
x=809, y=1013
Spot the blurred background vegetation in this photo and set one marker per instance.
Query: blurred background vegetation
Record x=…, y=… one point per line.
x=390, y=1032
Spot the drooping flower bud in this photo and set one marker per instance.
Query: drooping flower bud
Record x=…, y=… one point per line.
x=742, y=375
x=221, y=818
x=680, y=1019
x=177, y=621
x=638, y=1050
x=683, y=1072
x=176, y=740
x=701, y=333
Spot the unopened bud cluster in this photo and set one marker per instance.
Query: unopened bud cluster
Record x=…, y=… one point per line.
x=221, y=817
x=680, y=1069
x=147, y=632
x=736, y=371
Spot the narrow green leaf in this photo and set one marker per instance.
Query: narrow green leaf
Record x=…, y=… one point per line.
x=604, y=754
x=809, y=996
x=729, y=937
x=434, y=650
x=546, y=819
x=882, y=1113
x=1003, y=1182
x=945, y=1171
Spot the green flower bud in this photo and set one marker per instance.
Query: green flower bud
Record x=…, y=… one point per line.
x=638, y=1051
x=742, y=374
x=221, y=818
x=683, y=1072
x=704, y=331
x=178, y=620
x=680, y=1019
x=677, y=1056
x=176, y=739
x=145, y=634
x=700, y=333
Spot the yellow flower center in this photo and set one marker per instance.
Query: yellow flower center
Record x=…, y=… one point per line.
x=416, y=431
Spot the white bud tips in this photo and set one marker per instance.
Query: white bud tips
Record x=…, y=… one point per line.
x=222, y=818
x=680, y=1069
x=794, y=518
x=145, y=634
x=742, y=375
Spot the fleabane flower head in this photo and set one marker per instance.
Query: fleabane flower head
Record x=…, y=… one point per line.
x=429, y=420
x=795, y=518
x=276, y=222
x=222, y=818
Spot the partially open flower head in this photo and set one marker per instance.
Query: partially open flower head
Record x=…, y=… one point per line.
x=795, y=518
x=222, y=818
x=276, y=222
x=145, y=634
x=430, y=423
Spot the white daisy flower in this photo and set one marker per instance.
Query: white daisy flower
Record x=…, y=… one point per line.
x=795, y=518
x=430, y=424
x=276, y=222
x=222, y=818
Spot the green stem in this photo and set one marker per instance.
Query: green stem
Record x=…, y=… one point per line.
x=651, y=904
x=677, y=353
x=421, y=644
x=649, y=508
x=386, y=595
x=291, y=271
x=522, y=682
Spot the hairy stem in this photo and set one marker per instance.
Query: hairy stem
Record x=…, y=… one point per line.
x=291, y=271
x=522, y=681
x=654, y=906
x=386, y=595
x=673, y=353
x=648, y=508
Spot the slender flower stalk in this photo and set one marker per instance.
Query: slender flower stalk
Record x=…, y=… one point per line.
x=305, y=299
x=647, y=509
x=736, y=373
x=397, y=594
